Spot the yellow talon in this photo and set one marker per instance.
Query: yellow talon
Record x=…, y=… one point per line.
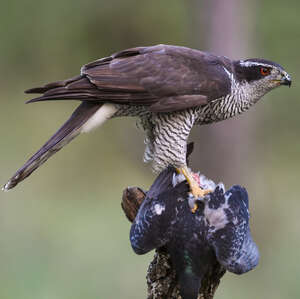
x=194, y=209
x=196, y=190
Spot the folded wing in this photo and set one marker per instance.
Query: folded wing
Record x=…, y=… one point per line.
x=164, y=78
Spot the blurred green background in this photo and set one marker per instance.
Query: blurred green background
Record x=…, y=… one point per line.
x=62, y=231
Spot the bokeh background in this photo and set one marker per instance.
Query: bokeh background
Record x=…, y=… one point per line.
x=62, y=231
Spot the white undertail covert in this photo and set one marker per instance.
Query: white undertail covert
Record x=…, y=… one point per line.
x=104, y=113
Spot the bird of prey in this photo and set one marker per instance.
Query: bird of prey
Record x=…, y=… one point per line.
x=169, y=88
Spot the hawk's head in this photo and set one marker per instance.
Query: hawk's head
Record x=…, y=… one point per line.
x=260, y=75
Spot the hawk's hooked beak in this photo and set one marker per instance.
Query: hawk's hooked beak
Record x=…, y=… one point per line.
x=286, y=79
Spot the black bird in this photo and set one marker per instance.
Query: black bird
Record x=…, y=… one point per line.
x=218, y=232
x=169, y=88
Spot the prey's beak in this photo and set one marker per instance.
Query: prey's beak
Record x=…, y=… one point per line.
x=286, y=79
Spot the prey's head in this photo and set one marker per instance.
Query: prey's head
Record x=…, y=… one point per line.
x=260, y=75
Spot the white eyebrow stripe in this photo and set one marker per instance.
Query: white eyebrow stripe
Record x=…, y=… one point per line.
x=252, y=63
x=227, y=72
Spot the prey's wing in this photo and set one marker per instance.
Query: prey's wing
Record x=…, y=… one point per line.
x=165, y=78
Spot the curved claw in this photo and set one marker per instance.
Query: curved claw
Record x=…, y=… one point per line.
x=196, y=190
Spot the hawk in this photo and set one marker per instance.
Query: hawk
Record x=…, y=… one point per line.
x=169, y=88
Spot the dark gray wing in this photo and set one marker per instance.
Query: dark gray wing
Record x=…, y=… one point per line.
x=165, y=78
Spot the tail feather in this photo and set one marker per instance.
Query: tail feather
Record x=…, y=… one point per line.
x=70, y=129
x=189, y=285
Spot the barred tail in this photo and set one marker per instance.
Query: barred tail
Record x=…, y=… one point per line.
x=78, y=122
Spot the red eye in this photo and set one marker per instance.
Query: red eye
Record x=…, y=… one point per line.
x=264, y=71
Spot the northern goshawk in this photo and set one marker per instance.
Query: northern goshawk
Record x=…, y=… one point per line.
x=169, y=88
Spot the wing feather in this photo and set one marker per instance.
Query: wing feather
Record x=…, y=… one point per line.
x=166, y=78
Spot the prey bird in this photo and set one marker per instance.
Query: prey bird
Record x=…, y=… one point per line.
x=169, y=88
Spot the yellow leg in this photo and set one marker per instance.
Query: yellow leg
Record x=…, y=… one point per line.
x=195, y=188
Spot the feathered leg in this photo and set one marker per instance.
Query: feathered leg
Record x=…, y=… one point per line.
x=171, y=132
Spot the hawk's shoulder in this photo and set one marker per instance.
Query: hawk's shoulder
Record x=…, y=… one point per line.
x=165, y=72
